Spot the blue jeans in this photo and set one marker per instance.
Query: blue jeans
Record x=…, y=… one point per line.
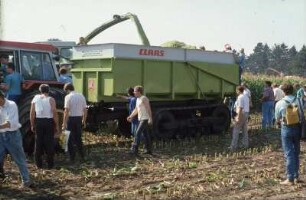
x=12, y=142
x=267, y=114
x=142, y=129
x=134, y=126
x=291, y=146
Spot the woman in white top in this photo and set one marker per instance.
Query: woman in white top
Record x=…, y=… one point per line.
x=44, y=120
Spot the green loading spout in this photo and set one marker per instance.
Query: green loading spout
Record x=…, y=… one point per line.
x=117, y=19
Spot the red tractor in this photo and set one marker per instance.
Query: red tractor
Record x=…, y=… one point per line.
x=35, y=62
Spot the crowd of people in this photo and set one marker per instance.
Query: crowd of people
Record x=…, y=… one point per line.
x=44, y=120
x=274, y=104
x=44, y=123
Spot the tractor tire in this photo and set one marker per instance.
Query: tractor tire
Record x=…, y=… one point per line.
x=24, y=116
x=224, y=119
x=164, y=125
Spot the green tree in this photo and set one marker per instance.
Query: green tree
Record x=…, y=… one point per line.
x=292, y=52
x=280, y=57
x=292, y=68
x=300, y=61
x=258, y=61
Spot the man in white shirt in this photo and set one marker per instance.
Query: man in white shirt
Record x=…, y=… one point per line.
x=241, y=119
x=278, y=93
x=143, y=110
x=75, y=115
x=247, y=92
x=11, y=139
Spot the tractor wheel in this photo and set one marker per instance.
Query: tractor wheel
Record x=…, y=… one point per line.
x=164, y=125
x=24, y=116
x=223, y=119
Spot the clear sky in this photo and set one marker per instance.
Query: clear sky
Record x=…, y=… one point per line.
x=212, y=23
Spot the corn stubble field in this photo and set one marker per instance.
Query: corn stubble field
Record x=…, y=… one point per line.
x=195, y=168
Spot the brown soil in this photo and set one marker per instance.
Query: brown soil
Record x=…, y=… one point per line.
x=199, y=168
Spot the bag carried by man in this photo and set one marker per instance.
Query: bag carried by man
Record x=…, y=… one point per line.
x=294, y=112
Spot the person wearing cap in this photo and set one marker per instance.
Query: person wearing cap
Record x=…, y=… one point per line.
x=12, y=84
x=44, y=122
x=11, y=138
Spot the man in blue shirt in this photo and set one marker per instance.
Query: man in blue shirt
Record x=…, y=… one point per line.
x=64, y=78
x=132, y=104
x=12, y=84
x=290, y=135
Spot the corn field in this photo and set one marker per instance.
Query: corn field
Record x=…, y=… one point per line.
x=256, y=84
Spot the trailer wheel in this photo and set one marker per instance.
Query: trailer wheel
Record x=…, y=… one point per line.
x=223, y=120
x=24, y=116
x=164, y=125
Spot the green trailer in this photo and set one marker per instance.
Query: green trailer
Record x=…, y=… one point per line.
x=185, y=87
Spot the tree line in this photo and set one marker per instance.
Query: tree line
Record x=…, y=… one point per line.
x=278, y=60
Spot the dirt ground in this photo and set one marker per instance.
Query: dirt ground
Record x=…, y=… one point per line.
x=196, y=168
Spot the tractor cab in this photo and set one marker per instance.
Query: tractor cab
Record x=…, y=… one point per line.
x=35, y=62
